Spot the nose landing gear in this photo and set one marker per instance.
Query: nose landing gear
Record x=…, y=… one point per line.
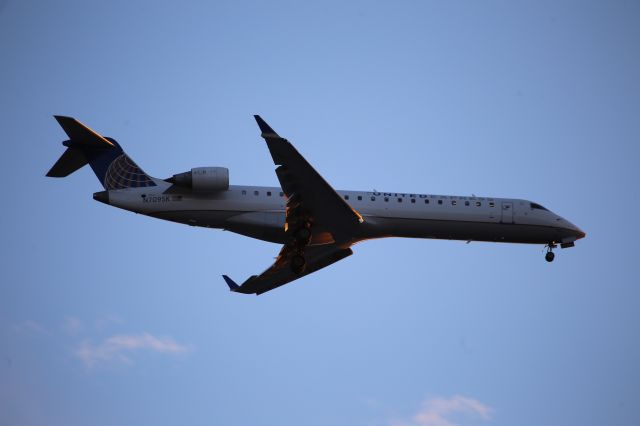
x=549, y=256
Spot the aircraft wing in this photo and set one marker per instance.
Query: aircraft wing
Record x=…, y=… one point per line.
x=280, y=272
x=314, y=208
x=305, y=188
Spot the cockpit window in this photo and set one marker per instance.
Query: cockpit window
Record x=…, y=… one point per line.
x=537, y=206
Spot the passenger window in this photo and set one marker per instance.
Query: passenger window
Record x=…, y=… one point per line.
x=399, y=200
x=426, y=201
x=386, y=199
x=491, y=204
x=413, y=200
x=439, y=201
x=268, y=193
x=244, y=192
x=282, y=194
x=346, y=197
x=359, y=197
x=478, y=203
x=373, y=198
x=256, y=192
x=454, y=202
x=466, y=203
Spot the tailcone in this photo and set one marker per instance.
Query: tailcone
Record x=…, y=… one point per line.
x=102, y=196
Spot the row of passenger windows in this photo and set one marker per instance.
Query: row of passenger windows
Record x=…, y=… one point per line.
x=386, y=199
x=244, y=192
x=426, y=201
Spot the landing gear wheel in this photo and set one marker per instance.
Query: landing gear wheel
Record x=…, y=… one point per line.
x=550, y=256
x=298, y=263
x=303, y=235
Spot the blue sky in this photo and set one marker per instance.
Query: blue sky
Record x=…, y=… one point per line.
x=107, y=317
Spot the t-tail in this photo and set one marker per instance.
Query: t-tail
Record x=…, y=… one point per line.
x=112, y=166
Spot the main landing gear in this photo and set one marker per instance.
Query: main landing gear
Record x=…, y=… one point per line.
x=300, y=240
x=298, y=263
x=549, y=256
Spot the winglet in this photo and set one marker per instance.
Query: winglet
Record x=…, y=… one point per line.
x=232, y=284
x=267, y=131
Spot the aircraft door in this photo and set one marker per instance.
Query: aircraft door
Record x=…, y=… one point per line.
x=507, y=212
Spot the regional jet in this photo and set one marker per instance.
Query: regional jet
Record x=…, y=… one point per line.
x=315, y=224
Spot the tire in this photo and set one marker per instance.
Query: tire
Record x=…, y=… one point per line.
x=303, y=234
x=298, y=263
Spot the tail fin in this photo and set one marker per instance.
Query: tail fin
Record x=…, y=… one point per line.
x=114, y=168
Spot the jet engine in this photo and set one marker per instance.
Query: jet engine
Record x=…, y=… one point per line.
x=203, y=179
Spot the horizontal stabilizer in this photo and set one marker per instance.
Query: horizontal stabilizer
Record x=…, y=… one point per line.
x=69, y=162
x=79, y=133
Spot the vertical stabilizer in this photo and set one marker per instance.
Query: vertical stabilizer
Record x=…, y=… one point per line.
x=111, y=165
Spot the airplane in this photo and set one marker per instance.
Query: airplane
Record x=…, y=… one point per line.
x=315, y=224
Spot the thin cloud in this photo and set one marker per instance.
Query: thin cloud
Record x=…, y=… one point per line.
x=120, y=347
x=447, y=412
x=73, y=325
x=109, y=320
x=30, y=326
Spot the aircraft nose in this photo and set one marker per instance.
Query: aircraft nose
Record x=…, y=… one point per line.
x=579, y=233
x=570, y=230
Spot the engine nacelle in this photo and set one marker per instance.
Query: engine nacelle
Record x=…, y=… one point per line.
x=203, y=179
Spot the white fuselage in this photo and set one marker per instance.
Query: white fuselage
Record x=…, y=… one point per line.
x=259, y=212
